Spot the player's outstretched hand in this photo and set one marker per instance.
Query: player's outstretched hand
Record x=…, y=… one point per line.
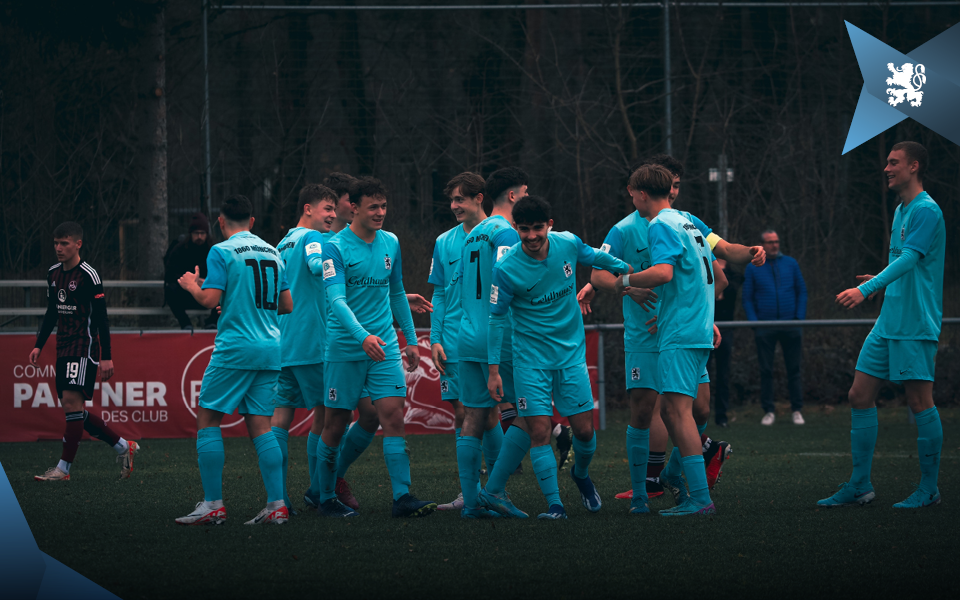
x=373, y=346
x=716, y=337
x=34, y=355
x=585, y=297
x=439, y=357
x=413, y=358
x=495, y=387
x=862, y=279
x=642, y=296
x=652, y=330
x=419, y=304
x=850, y=298
x=189, y=280
x=759, y=256
x=106, y=370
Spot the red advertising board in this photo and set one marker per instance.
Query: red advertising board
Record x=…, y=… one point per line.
x=154, y=392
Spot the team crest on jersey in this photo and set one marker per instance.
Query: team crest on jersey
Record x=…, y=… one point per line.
x=635, y=374
x=387, y=263
x=444, y=387
x=567, y=269
x=73, y=286
x=522, y=403
x=332, y=395
x=62, y=295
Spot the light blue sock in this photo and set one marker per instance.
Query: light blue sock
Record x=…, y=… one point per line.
x=312, y=441
x=863, y=439
x=492, y=444
x=674, y=466
x=638, y=451
x=929, y=443
x=696, y=473
x=582, y=455
x=327, y=470
x=702, y=428
x=352, y=446
x=210, y=458
x=283, y=436
x=343, y=438
x=398, y=465
x=271, y=465
x=468, y=463
x=545, y=467
x=516, y=444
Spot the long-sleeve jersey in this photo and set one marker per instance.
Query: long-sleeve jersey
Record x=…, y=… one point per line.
x=445, y=277
x=303, y=331
x=76, y=305
x=364, y=289
x=548, y=326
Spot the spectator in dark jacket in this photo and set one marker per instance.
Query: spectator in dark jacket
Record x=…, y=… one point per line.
x=776, y=292
x=187, y=255
x=724, y=308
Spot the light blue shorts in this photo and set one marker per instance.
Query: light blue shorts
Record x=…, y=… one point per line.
x=301, y=386
x=538, y=390
x=249, y=392
x=898, y=360
x=349, y=381
x=473, y=384
x=681, y=370
x=705, y=376
x=642, y=370
x=450, y=382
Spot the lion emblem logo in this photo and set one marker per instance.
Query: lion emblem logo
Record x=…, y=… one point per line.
x=909, y=79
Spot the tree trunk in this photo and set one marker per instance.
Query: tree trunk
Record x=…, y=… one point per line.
x=152, y=152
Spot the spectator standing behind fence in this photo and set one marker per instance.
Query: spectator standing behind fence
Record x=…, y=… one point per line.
x=723, y=310
x=189, y=253
x=776, y=292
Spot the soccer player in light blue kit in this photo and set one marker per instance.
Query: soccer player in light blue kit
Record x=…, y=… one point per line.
x=902, y=346
x=246, y=277
x=536, y=279
x=303, y=332
x=681, y=263
x=362, y=272
x=466, y=201
x=359, y=435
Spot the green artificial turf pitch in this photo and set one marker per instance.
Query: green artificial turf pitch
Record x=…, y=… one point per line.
x=768, y=539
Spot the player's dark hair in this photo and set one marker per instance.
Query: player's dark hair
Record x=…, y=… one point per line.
x=531, y=209
x=914, y=152
x=655, y=180
x=339, y=182
x=68, y=229
x=664, y=160
x=236, y=209
x=313, y=193
x=471, y=185
x=503, y=180
x=366, y=186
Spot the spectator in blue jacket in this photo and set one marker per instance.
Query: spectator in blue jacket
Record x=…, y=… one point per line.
x=776, y=292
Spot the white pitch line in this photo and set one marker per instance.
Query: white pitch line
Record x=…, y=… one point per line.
x=876, y=455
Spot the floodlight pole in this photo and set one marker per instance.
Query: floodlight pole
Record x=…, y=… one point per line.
x=205, y=118
x=668, y=109
x=722, y=176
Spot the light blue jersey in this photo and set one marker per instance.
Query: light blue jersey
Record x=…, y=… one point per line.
x=548, y=327
x=913, y=303
x=303, y=331
x=686, y=301
x=251, y=275
x=487, y=242
x=364, y=289
x=627, y=240
x=445, y=277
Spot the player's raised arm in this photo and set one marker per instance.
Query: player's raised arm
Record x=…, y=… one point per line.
x=665, y=249
x=208, y=294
